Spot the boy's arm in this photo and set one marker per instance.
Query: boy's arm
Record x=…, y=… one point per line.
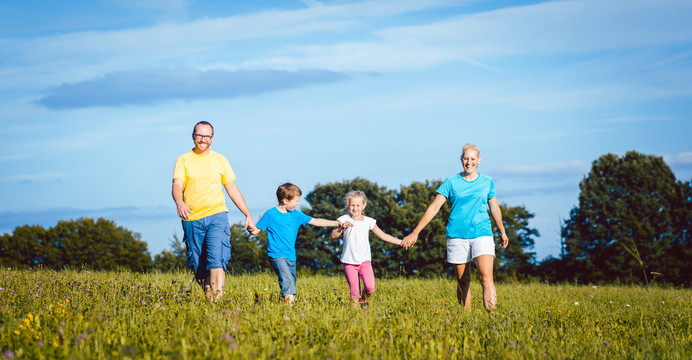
x=386, y=237
x=326, y=223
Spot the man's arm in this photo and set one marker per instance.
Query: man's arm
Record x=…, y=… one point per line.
x=183, y=210
x=239, y=201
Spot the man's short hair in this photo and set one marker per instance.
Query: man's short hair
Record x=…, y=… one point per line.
x=203, y=123
x=287, y=191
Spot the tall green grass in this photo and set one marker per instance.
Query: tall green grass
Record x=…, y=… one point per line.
x=112, y=315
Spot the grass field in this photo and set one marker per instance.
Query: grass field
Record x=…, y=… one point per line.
x=111, y=315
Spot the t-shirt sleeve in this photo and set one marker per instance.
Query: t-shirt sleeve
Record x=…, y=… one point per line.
x=263, y=222
x=343, y=218
x=302, y=218
x=179, y=169
x=491, y=192
x=227, y=174
x=445, y=188
x=371, y=223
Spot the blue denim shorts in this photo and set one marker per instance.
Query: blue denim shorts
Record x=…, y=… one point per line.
x=286, y=271
x=208, y=242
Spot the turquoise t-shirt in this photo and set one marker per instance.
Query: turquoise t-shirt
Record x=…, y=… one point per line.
x=282, y=231
x=468, y=218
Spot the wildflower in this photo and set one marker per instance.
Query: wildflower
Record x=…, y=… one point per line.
x=628, y=305
x=642, y=339
x=513, y=344
x=594, y=286
x=84, y=336
x=549, y=312
x=576, y=303
x=228, y=337
x=8, y=354
x=128, y=350
x=533, y=336
x=224, y=312
x=606, y=344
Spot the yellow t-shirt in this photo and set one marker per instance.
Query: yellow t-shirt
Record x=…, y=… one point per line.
x=204, y=177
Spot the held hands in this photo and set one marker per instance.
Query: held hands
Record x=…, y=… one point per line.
x=409, y=240
x=343, y=226
x=250, y=226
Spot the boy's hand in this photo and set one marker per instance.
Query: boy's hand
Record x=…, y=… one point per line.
x=252, y=229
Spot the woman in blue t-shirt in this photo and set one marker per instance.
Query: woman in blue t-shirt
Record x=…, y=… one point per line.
x=469, y=232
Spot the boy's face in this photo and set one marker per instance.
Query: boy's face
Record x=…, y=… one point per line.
x=292, y=203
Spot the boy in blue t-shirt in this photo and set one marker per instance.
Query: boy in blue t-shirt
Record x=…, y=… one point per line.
x=282, y=223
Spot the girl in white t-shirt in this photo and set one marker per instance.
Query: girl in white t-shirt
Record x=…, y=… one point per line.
x=356, y=251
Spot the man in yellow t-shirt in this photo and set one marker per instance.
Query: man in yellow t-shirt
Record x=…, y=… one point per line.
x=198, y=181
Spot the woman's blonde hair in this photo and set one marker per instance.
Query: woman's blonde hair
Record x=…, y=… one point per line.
x=471, y=147
x=354, y=194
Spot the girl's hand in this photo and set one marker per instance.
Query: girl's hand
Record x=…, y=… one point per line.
x=345, y=225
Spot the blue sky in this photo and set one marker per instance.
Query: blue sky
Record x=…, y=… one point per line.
x=98, y=98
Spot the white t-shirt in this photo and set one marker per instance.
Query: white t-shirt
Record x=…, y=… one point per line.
x=357, y=240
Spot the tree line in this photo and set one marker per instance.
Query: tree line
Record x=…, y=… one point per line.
x=632, y=223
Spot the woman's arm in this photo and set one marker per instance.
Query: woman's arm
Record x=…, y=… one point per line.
x=429, y=214
x=497, y=217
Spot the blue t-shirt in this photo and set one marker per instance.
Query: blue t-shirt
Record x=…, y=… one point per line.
x=468, y=218
x=282, y=230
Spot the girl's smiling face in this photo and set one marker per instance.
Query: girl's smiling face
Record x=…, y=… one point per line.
x=356, y=207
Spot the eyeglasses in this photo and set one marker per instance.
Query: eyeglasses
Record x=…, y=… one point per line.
x=205, y=137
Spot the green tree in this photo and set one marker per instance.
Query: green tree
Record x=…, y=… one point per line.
x=27, y=246
x=248, y=253
x=173, y=259
x=428, y=256
x=632, y=220
x=516, y=260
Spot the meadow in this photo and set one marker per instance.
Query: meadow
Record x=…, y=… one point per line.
x=79, y=314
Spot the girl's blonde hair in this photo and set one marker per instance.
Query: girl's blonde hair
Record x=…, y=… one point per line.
x=354, y=194
x=471, y=147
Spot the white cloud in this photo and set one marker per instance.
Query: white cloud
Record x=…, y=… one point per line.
x=556, y=168
x=159, y=5
x=32, y=177
x=683, y=158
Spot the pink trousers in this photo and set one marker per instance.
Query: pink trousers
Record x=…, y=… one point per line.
x=364, y=271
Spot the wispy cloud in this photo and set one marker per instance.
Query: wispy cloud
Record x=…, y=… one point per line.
x=158, y=5
x=557, y=168
x=627, y=119
x=32, y=177
x=683, y=158
x=154, y=85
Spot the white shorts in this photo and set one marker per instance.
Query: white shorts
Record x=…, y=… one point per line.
x=462, y=251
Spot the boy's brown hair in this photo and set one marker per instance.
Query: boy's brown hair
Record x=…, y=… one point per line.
x=287, y=191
